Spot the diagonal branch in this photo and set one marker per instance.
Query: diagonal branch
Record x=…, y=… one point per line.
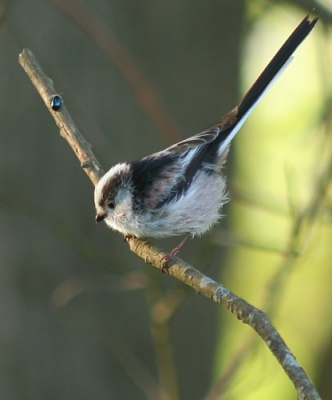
x=68, y=128
x=244, y=311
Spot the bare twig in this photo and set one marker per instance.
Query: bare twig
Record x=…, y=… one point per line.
x=68, y=129
x=245, y=312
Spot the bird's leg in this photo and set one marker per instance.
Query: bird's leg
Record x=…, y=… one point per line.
x=175, y=251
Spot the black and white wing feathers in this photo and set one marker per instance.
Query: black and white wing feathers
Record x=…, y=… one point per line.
x=178, y=164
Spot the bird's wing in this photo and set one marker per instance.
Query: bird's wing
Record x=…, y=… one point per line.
x=204, y=137
x=230, y=124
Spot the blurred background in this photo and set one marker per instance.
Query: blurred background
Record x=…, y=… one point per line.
x=83, y=318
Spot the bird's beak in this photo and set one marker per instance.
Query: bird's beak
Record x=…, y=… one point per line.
x=100, y=217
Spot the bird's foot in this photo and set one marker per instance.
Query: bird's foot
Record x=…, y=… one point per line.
x=172, y=254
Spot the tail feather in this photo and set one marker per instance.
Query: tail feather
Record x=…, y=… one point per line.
x=211, y=145
x=276, y=65
x=264, y=82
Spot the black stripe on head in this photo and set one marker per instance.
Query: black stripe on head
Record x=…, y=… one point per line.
x=116, y=181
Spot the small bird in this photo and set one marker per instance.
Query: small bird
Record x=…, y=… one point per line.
x=181, y=190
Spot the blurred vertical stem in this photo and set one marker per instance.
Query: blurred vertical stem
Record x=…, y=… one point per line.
x=162, y=307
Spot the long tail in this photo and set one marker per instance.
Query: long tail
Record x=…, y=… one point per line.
x=214, y=141
x=267, y=78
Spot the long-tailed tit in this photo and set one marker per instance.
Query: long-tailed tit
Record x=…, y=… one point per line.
x=181, y=190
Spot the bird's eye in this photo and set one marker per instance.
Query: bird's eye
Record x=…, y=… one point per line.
x=110, y=204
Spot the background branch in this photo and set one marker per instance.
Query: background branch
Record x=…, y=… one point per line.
x=142, y=89
x=154, y=256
